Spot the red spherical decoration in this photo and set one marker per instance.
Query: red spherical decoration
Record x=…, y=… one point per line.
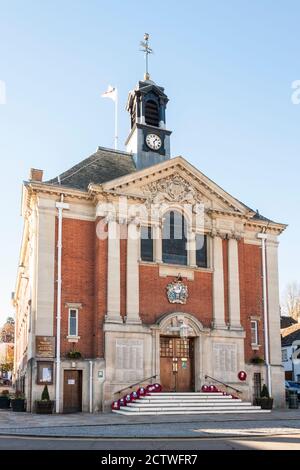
x=127, y=398
x=141, y=391
x=123, y=402
x=134, y=396
x=158, y=388
x=115, y=405
x=242, y=375
x=204, y=388
x=150, y=388
x=212, y=388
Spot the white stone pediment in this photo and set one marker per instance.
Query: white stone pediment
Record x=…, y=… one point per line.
x=175, y=181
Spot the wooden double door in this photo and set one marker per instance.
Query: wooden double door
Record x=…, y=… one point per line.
x=176, y=364
x=72, y=391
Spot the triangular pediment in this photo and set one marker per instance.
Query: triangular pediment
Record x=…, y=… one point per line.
x=176, y=181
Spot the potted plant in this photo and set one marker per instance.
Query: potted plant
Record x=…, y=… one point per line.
x=44, y=405
x=18, y=402
x=74, y=354
x=265, y=401
x=4, y=399
x=257, y=360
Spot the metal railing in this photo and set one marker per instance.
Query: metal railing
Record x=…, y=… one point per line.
x=135, y=384
x=223, y=383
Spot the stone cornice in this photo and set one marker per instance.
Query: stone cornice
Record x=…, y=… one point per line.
x=45, y=188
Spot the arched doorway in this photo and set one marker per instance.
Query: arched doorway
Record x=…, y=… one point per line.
x=179, y=340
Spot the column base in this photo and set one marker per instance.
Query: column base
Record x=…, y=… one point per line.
x=109, y=318
x=219, y=326
x=236, y=327
x=132, y=321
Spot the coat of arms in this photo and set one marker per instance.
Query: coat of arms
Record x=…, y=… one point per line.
x=177, y=292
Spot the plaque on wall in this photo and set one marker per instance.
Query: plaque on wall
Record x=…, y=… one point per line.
x=45, y=346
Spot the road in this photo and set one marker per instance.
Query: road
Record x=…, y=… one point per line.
x=284, y=442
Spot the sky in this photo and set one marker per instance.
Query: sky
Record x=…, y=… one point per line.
x=227, y=67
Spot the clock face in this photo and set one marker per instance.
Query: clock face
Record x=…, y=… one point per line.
x=153, y=141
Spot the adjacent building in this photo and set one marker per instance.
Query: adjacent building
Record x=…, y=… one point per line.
x=135, y=266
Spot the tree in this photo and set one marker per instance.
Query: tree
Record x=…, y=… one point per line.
x=7, y=332
x=292, y=300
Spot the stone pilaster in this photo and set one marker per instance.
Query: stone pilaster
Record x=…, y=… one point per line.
x=157, y=234
x=218, y=284
x=113, y=272
x=191, y=249
x=132, y=276
x=234, y=284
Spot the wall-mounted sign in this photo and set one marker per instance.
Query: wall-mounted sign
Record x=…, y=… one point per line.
x=44, y=373
x=45, y=346
x=100, y=374
x=71, y=381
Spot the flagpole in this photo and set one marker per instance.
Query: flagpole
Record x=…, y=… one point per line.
x=116, y=121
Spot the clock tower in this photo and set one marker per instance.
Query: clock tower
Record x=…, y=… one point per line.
x=149, y=140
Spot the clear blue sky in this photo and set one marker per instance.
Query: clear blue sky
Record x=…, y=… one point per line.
x=227, y=67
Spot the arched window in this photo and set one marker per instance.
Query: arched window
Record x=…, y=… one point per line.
x=152, y=113
x=174, y=239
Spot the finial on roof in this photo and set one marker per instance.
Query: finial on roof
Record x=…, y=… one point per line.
x=147, y=50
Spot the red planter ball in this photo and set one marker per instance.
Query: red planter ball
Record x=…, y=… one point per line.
x=134, y=396
x=150, y=388
x=158, y=388
x=204, y=388
x=141, y=391
x=127, y=398
x=115, y=405
x=123, y=402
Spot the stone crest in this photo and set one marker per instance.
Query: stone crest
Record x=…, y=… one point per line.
x=177, y=291
x=171, y=189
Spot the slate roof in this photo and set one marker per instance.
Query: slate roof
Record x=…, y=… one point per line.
x=106, y=165
x=285, y=322
x=103, y=165
x=290, y=334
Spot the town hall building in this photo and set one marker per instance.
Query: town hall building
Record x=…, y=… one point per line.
x=137, y=268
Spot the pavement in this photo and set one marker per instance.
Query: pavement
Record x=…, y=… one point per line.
x=113, y=426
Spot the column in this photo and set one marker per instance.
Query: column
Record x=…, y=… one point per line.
x=191, y=249
x=132, y=276
x=113, y=272
x=234, y=284
x=218, y=284
x=157, y=243
x=273, y=301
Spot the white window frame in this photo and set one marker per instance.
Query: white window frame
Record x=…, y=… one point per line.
x=69, y=323
x=255, y=329
x=284, y=355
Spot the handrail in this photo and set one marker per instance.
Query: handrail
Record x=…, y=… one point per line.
x=226, y=385
x=137, y=383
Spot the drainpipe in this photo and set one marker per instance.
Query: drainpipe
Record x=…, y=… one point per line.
x=60, y=207
x=91, y=386
x=263, y=237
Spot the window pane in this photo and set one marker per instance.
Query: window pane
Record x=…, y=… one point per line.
x=201, y=251
x=146, y=244
x=73, y=323
x=174, y=239
x=254, y=336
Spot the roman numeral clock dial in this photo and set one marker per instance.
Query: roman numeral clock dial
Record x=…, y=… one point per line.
x=153, y=141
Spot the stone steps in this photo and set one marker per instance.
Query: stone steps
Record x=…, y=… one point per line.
x=187, y=403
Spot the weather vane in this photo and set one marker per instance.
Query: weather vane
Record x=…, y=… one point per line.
x=147, y=50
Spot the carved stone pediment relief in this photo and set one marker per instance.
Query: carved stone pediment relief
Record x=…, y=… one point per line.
x=172, y=189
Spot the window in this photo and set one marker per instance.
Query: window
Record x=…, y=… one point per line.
x=284, y=355
x=73, y=322
x=201, y=251
x=152, y=113
x=174, y=239
x=254, y=332
x=45, y=373
x=146, y=244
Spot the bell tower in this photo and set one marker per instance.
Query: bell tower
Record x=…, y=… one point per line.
x=149, y=140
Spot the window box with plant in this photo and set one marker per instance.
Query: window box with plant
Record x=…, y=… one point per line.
x=257, y=360
x=44, y=405
x=4, y=400
x=74, y=354
x=18, y=402
x=264, y=401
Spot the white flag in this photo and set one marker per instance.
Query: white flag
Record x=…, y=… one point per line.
x=111, y=93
